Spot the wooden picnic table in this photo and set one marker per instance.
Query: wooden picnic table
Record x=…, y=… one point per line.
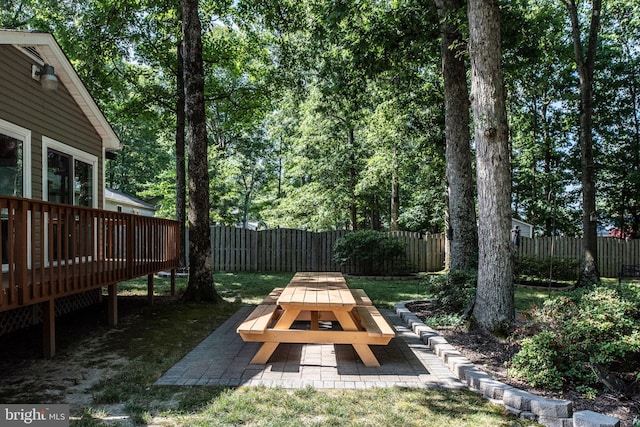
x=314, y=297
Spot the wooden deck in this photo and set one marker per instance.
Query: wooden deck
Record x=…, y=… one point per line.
x=50, y=251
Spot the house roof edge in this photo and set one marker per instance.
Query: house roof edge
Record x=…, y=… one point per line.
x=53, y=54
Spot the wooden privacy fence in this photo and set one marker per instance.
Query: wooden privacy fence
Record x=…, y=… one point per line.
x=612, y=252
x=238, y=249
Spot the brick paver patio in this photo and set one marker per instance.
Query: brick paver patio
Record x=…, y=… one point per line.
x=223, y=359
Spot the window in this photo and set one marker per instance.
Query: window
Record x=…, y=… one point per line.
x=15, y=173
x=15, y=160
x=58, y=177
x=82, y=184
x=67, y=184
x=10, y=165
x=70, y=175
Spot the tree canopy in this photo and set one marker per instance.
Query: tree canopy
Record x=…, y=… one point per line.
x=330, y=114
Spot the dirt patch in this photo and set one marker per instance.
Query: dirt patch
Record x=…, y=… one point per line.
x=491, y=355
x=79, y=364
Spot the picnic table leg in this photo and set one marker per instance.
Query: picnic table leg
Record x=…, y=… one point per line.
x=267, y=349
x=348, y=324
x=315, y=324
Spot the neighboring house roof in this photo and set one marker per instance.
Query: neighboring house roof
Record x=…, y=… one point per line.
x=520, y=222
x=124, y=198
x=526, y=229
x=43, y=48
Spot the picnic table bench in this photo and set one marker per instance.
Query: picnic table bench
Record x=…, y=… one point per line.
x=629, y=271
x=316, y=297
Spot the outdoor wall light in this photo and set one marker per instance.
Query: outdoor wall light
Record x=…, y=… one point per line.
x=46, y=76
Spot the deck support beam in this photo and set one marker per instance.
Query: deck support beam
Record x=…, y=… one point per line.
x=150, y=285
x=112, y=304
x=49, y=328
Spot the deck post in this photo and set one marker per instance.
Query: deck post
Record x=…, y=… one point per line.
x=132, y=255
x=20, y=248
x=173, y=282
x=112, y=305
x=150, y=289
x=49, y=328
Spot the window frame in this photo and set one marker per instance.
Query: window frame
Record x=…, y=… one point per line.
x=24, y=135
x=75, y=154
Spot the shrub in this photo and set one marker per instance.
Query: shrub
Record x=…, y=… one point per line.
x=371, y=252
x=590, y=330
x=537, y=361
x=453, y=291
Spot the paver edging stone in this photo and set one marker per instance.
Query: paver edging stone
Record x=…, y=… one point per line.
x=548, y=412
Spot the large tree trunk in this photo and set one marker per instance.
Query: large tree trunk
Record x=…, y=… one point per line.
x=494, y=310
x=549, y=189
x=353, y=180
x=395, y=192
x=585, y=67
x=462, y=231
x=395, y=203
x=181, y=186
x=200, y=287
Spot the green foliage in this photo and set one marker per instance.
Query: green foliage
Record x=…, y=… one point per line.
x=577, y=333
x=587, y=392
x=371, y=252
x=445, y=320
x=453, y=291
x=322, y=70
x=537, y=361
x=548, y=268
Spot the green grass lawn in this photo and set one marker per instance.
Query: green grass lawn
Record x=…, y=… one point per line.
x=373, y=407
x=525, y=298
x=160, y=335
x=251, y=288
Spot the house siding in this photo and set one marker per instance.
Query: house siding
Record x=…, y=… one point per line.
x=53, y=114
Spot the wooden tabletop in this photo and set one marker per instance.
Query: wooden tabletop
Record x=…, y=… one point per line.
x=313, y=295
x=324, y=291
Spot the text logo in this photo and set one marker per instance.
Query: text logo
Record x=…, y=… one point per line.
x=34, y=415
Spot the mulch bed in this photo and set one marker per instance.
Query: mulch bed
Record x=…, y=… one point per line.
x=492, y=355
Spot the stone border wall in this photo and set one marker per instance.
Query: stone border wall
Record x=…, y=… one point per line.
x=548, y=412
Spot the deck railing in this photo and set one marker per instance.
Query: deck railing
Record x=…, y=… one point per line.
x=52, y=250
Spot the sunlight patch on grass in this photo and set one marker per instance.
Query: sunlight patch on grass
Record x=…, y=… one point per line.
x=386, y=293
